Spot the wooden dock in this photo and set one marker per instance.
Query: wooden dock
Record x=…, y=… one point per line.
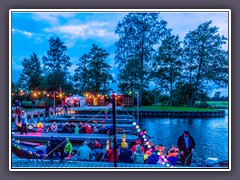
x=70, y=164
x=44, y=137
x=88, y=120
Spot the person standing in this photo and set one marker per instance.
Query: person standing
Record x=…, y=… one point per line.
x=17, y=115
x=186, y=145
x=24, y=122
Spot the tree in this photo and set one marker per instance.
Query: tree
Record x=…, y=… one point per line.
x=205, y=59
x=128, y=77
x=81, y=75
x=56, y=64
x=94, y=76
x=168, y=65
x=32, y=72
x=138, y=33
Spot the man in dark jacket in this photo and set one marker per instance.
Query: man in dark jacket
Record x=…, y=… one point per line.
x=186, y=145
x=125, y=155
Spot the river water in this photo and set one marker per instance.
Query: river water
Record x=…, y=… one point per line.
x=210, y=134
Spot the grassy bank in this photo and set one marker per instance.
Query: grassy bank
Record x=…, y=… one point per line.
x=216, y=104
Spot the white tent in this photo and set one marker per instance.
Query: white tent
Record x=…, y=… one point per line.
x=81, y=100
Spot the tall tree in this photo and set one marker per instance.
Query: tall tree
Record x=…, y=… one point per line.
x=168, y=66
x=56, y=64
x=138, y=33
x=128, y=77
x=94, y=76
x=207, y=60
x=81, y=75
x=32, y=72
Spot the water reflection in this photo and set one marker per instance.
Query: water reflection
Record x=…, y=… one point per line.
x=211, y=134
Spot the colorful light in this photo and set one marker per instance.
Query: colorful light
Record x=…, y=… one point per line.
x=138, y=130
x=134, y=123
x=141, y=133
x=144, y=136
x=147, y=143
x=137, y=126
x=149, y=146
x=145, y=139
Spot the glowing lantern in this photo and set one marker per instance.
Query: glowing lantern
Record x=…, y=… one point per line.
x=141, y=133
x=134, y=123
x=147, y=143
x=149, y=146
x=138, y=130
x=137, y=126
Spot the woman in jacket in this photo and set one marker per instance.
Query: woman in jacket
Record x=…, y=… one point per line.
x=137, y=156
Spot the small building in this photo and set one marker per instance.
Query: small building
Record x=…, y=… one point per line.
x=76, y=101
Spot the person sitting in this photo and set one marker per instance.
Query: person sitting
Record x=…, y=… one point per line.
x=110, y=154
x=103, y=129
x=153, y=158
x=84, y=153
x=60, y=128
x=66, y=128
x=125, y=154
x=89, y=130
x=98, y=152
x=138, y=142
x=137, y=156
x=160, y=148
x=54, y=127
x=95, y=129
x=68, y=148
x=97, y=143
x=57, y=145
x=72, y=127
x=146, y=155
x=110, y=130
x=172, y=155
x=76, y=130
x=82, y=129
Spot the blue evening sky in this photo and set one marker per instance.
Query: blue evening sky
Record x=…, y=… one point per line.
x=79, y=30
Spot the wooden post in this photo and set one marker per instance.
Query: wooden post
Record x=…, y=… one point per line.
x=44, y=115
x=38, y=116
x=32, y=116
x=114, y=130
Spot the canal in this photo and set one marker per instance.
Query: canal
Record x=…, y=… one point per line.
x=210, y=134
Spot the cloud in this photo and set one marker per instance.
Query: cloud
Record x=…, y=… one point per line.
x=25, y=33
x=84, y=31
x=51, y=17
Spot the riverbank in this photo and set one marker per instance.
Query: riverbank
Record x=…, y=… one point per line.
x=144, y=111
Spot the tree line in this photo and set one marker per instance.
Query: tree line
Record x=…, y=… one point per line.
x=146, y=52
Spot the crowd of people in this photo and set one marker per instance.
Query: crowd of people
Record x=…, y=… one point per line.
x=80, y=128
x=138, y=153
